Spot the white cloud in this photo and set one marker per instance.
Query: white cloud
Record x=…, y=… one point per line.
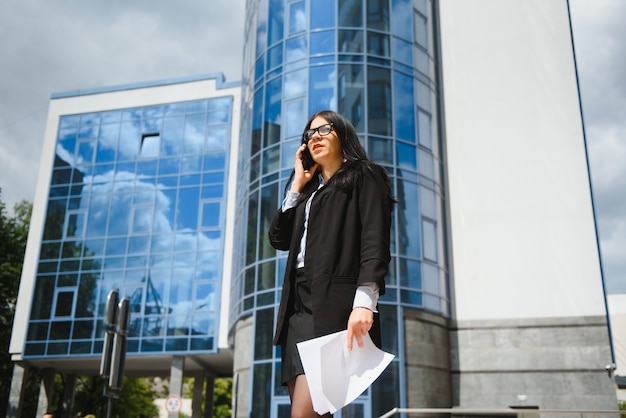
x=68, y=45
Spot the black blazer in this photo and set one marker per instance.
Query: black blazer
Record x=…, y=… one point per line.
x=347, y=245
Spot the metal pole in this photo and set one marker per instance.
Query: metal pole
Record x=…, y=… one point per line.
x=109, y=404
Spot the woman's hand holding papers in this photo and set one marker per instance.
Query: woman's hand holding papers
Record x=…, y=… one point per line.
x=359, y=324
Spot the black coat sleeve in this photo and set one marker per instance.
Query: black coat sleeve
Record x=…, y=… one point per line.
x=375, y=212
x=281, y=229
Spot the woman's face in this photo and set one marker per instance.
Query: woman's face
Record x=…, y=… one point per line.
x=325, y=149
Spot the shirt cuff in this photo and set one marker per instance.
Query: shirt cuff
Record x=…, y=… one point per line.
x=290, y=201
x=366, y=296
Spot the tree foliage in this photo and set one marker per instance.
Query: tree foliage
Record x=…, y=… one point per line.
x=135, y=398
x=222, y=397
x=13, y=236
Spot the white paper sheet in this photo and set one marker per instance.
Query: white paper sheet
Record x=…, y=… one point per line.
x=335, y=376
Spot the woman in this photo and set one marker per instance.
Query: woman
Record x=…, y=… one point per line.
x=335, y=221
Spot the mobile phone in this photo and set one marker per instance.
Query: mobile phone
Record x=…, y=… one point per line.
x=307, y=159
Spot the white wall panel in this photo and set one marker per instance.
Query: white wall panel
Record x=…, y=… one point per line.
x=522, y=227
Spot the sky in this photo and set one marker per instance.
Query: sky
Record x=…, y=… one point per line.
x=58, y=46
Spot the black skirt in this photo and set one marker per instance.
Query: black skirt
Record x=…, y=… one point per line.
x=300, y=329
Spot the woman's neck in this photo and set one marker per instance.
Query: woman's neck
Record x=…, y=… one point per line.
x=329, y=170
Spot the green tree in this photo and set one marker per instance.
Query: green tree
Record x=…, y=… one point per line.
x=13, y=236
x=135, y=398
x=222, y=397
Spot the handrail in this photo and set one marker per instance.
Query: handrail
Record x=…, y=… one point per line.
x=506, y=411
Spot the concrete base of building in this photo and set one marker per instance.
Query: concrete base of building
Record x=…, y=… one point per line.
x=427, y=360
x=550, y=363
x=242, y=364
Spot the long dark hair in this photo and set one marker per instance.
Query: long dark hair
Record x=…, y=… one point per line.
x=356, y=158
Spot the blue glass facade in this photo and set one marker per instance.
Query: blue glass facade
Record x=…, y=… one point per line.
x=373, y=61
x=136, y=203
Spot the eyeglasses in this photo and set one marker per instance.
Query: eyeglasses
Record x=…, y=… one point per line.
x=323, y=130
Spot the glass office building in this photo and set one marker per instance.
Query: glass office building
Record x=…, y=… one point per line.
x=136, y=203
x=373, y=61
x=136, y=179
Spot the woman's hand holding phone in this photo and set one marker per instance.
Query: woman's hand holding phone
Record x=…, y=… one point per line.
x=304, y=168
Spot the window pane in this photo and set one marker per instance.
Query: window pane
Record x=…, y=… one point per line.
x=426, y=165
x=219, y=116
x=150, y=145
x=351, y=13
x=295, y=85
x=401, y=18
x=322, y=14
x=210, y=214
x=273, y=100
x=267, y=276
x=409, y=273
x=322, y=88
x=130, y=141
x=65, y=303
x=213, y=191
x=350, y=41
x=270, y=159
x=214, y=161
x=408, y=224
x=406, y=156
x=425, y=131
x=275, y=57
x=297, y=17
x=252, y=239
x=431, y=278
x=288, y=152
x=263, y=330
x=205, y=297
x=294, y=119
x=295, y=49
x=420, y=29
x=75, y=225
x=261, y=390
x=378, y=14
x=187, y=210
x=275, y=29
x=193, y=141
x=377, y=44
x=142, y=219
x=216, y=138
x=385, y=391
x=428, y=205
x=430, y=239
x=107, y=143
x=172, y=136
x=404, y=110
x=82, y=329
x=323, y=42
x=351, y=94
x=381, y=150
x=269, y=204
x=37, y=331
x=60, y=330
x=379, y=99
x=85, y=152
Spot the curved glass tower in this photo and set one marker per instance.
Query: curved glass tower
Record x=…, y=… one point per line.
x=374, y=62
